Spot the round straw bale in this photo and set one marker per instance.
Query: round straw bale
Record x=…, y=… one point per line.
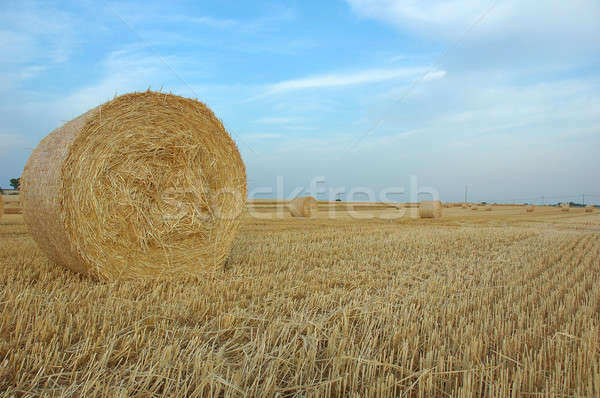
x=565, y=206
x=306, y=206
x=589, y=209
x=13, y=210
x=430, y=209
x=487, y=208
x=465, y=206
x=530, y=209
x=474, y=207
x=144, y=186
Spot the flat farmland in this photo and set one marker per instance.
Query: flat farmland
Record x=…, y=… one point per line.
x=477, y=303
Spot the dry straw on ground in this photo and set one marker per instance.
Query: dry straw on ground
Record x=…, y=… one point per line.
x=474, y=207
x=530, y=209
x=589, y=209
x=487, y=208
x=565, y=206
x=306, y=206
x=146, y=185
x=430, y=209
x=465, y=206
x=1, y=207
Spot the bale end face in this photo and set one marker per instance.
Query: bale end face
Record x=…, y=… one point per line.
x=306, y=206
x=430, y=209
x=144, y=186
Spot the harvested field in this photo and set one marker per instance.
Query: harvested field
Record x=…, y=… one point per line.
x=470, y=304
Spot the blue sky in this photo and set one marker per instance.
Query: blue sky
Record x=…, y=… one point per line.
x=502, y=96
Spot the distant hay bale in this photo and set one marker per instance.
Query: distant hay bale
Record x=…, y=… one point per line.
x=146, y=185
x=465, y=206
x=13, y=210
x=487, y=208
x=12, y=204
x=589, y=209
x=430, y=209
x=565, y=207
x=411, y=205
x=530, y=209
x=306, y=206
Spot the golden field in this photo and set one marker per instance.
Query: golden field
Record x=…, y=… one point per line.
x=500, y=303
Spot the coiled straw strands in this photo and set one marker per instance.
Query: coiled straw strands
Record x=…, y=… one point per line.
x=306, y=206
x=146, y=185
x=430, y=209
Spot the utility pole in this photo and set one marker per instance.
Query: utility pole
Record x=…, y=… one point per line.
x=583, y=198
x=465, y=194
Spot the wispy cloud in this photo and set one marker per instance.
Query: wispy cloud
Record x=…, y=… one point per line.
x=434, y=75
x=260, y=136
x=502, y=19
x=277, y=120
x=342, y=79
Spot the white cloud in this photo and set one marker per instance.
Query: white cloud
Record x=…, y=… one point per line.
x=434, y=75
x=530, y=19
x=343, y=79
x=34, y=33
x=260, y=136
x=276, y=120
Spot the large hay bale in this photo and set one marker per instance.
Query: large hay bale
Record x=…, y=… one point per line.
x=565, y=207
x=465, y=206
x=430, y=209
x=530, y=209
x=306, y=206
x=146, y=185
x=589, y=209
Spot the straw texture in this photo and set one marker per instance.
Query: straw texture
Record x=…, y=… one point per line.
x=303, y=207
x=1, y=207
x=430, y=209
x=12, y=205
x=530, y=209
x=565, y=206
x=146, y=185
x=13, y=210
x=589, y=209
x=487, y=208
